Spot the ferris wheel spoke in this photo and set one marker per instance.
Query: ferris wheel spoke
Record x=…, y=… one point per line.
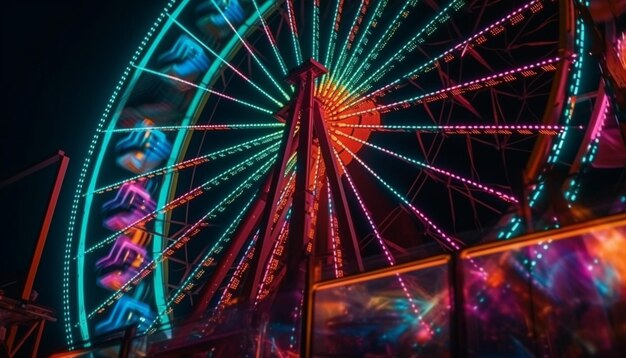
x=417, y=39
x=514, y=74
x=482, y=187
x=183, y=238
x=426, y=221
x=201, y=127
x=390, y=259
x=457, y=51
x=333, y=33
x=271, y=40
x=238, y=276
x=334, y=238
x=373, y=53
x=315, y=33
x=250, y=51
x=357, y=49
x=347, y=43
x=470, y=129
x=233, y=68
x=222, y=95
x=293, y=30
x=190, y=195
x=192, y=162
x=190, y=281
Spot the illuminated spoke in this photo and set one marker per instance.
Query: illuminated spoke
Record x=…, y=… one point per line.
x=357, y=49
x=249, y=49
x=390, y=259
x=186, y=286
x=271, y=40
x=192, y=162
x=242, y=267
x=239, y=73
x=373, y=53
x=184, y=238
x=417, y=39
x=354, y=29
x=521, y=129
x=421, y=216
x=201, y=127
x=315, y=37
x=332, y=36
x=444, y=172
x=471, y=86
x=192, y=194
x=274, y=259
x=456, y=51
x=293, y=29
x=165, y=75
x=334, y=239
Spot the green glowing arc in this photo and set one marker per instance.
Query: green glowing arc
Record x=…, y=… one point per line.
x=179, y=149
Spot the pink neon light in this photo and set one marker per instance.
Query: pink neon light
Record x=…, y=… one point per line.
x=462, y=45
x=444, y=92
x=423, y=217
x=380, y=240
x=464, y=129
x=291, y=16
x=482, y=187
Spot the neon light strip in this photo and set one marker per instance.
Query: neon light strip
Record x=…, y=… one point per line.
x=333, y=239
x=487, y=81
x=448, y=174
x=245, y=44
x=357, y=49
x=159, y=278
x=182, y=240
x=315, y=40
x=431, y=27
x=332, y=39
x=239, y=73
x=384, y=38
x=571, y=194
x=478, y=38
x=165, y=75
x=237, y=275
x=270, y=38
x=191, y=162
x=294, y=31
x=524, y=129
x=332, y=34
x=280, y=241
x=514, y=226
x=190, y=195
x=200, y=127
x=427, y=221
x=187, y=285
x=67, y=259
x=381, y=242
x=354, y=28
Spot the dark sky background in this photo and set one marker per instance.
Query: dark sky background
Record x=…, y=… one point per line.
x=60, y=63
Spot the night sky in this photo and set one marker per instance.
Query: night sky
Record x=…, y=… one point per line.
x=60, y=62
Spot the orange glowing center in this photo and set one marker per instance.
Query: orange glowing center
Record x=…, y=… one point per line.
x=332, y=97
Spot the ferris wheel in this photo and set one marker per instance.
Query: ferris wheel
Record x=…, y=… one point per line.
x=247, y=138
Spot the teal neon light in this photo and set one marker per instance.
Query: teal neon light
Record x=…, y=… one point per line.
x=80, y=264
x=177, y=155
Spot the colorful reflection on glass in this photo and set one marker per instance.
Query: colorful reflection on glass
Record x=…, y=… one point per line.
x=399, y=313
x=556, y=296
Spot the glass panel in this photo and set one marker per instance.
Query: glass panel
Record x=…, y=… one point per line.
x=405, y=312
x=560, y=295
